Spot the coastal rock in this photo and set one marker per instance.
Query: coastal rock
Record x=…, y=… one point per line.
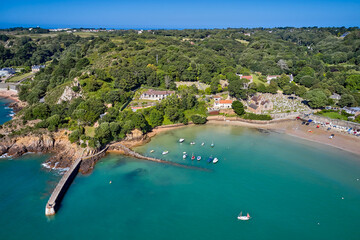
x=65, y=153
x=69, y=93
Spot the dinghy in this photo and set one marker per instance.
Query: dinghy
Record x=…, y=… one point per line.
x=210, y=159
x=184, y=156
x=192, y=157
x=198, y=158
x=215, y=160
x=192, y=143
x=212, y=144
x=244, y=218
x=152, y=151
x=181, y=140
x=202, y=144
x=165, y=152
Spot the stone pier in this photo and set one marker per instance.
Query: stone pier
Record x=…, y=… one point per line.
x=55, y=199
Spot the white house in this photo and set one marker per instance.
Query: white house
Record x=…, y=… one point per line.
x=6, y=72
x=223, y=104
x=36, y=68
x=155, y=94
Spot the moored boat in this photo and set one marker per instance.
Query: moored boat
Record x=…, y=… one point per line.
x=184, y=156
x=152, y=151
x=202, y=144
x=165, y=152
x=212, y=144
x=215, y=160
x=243, y=218
x=192, y=157
x=210, y=159
x=198, y=158
x=181, y=140
x=192, y=143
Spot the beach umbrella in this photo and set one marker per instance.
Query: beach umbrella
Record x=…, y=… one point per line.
x=310, y=120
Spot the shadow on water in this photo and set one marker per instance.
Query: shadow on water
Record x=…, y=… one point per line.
x=139, y=172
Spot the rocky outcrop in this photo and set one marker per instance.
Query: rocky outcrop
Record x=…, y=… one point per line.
x=69, y=94
x=64, y=152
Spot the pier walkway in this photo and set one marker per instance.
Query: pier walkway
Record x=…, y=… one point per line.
x=59, y=192
x=55, y=199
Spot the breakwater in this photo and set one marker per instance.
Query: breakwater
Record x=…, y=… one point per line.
x=59, y=192
x=127, y=151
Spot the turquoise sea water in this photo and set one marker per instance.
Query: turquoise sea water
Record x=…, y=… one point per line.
x=5, y=111
x=293, y=190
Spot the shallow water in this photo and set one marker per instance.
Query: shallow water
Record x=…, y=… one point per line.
x=293, y=189
x=5, y=111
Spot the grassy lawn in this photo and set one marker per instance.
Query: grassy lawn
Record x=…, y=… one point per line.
x=89, y=131
x=333, y=115
x=242, y=41
x=17, y=78
x=257, y=80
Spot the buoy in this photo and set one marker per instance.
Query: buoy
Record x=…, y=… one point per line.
x=318, y=223
x=357, y=179
x=342, y=198
x=110, y=182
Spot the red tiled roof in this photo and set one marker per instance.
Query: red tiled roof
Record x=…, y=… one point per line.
x=225, y=101
x=216, y=96
x=247, y=77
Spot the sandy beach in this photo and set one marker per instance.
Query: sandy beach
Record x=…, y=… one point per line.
x=9, y=94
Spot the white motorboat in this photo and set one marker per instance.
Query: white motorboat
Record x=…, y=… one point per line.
x=152, y=151
x=202, y=144
x=184, y=152
x=243, y=218
x=192, y=143
x=198, y=158
x=212, y=144
x=181, y=140
x=184, y=156
x=165, y=152
x=215, y=160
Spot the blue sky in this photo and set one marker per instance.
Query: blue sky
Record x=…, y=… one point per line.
x=179, y=14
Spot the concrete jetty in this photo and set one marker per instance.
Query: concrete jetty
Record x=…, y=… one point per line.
x=59, y=192
x=55, y=199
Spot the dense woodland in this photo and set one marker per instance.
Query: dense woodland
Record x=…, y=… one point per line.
x=110, y=66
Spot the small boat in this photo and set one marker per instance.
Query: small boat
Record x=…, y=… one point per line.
x=332, y=136
x=192, y=157
x=184, y=152
x=152, y=151
x=198, y=158
x=244, y=218
x=165, y=152
x=212, y=144
x=215, y=160
x=202, y=144
x=184, y=156
x=181, y=140
x=210, y=159
x=192, y=143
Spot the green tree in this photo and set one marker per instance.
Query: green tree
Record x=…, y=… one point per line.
x=316, y=98
x=238, y=108
x=198, y=119
x=346, y=100
x=103, y=133
x=156, y=118
x=353, y=82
